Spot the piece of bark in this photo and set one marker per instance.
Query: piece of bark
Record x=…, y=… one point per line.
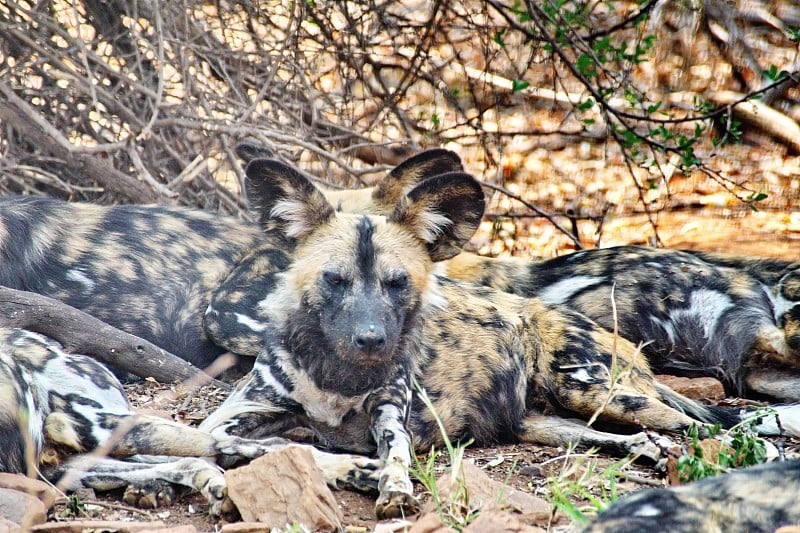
x=430, y=523
x=21, y=508
x=79, y=526
x=496, y=521
x=284, y=487
x=82, y=333
x=484, y=493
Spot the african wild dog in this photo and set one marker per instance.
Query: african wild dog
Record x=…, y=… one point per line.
x=760, y=498
x=355, y=314
x=55, y=406
x=694, y=313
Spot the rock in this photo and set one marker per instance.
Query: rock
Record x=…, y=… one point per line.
x=22, y=508
x=485, y=493
x=284, y=487
x=39, y=489
x=695, y=388
x=430, y=523
x=7, y=526
x=107, y=526
x=496, y=521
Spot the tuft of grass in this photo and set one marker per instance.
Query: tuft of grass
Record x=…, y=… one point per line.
x=455, y=511
x=580, y=478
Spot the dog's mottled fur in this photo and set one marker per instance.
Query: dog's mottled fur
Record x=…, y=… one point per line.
x=696, y=314
x=758, y=499
x=355, y=313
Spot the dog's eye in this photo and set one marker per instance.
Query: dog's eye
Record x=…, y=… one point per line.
x=333, y=278
x=397, y=281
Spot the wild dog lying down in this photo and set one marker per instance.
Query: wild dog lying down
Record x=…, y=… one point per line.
x=760, y=498
x=356, y=314
x=52, y=401
x=698, y=314
x=695, y=313
x=148, y=270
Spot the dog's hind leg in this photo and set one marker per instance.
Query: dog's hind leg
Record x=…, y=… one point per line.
x=564, y=432
x=109, y=474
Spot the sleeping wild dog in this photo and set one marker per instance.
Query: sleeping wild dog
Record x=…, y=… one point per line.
x=760, y=498
x=356, y=316
x=695, y=313
x=56, y=407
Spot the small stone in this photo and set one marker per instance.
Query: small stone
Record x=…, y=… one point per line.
x=496, y=521
x=284, y=487
x=39, y=489
x=705, y=388
x=430, y=523
x=22, y=508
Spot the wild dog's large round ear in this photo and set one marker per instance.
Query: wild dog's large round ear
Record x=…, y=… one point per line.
x=284, y=199
x=411, y=172
x=248, y=150
x=443, y=212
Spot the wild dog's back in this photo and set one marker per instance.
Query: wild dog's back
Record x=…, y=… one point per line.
x=148, y=270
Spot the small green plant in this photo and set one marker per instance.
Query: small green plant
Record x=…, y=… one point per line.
x=579, y=479
x=745, y=448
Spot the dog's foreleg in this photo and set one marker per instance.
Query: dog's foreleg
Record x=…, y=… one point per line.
x=389, y=410
x=242, y=427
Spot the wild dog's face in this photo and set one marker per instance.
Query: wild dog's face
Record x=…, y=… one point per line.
x=347, y=307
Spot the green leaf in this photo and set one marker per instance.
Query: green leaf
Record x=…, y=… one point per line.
x=518, y=85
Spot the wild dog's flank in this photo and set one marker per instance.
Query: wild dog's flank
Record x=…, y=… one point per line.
x=697, y=314
x=355, y=310
x=56, y=406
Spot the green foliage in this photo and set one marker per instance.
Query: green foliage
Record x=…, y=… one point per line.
x=745, y=448
x=518, y=85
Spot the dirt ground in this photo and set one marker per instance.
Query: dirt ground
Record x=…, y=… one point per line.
x=529, y=468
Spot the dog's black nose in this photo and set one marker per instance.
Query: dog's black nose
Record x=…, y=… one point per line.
x=372, y=338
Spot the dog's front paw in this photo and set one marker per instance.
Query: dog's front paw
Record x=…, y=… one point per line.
x=346, y=471
x=150, y=495
x=395, y=504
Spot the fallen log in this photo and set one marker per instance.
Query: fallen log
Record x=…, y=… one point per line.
x=82, y=333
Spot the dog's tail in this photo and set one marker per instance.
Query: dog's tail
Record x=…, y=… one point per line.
x=772, y=420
